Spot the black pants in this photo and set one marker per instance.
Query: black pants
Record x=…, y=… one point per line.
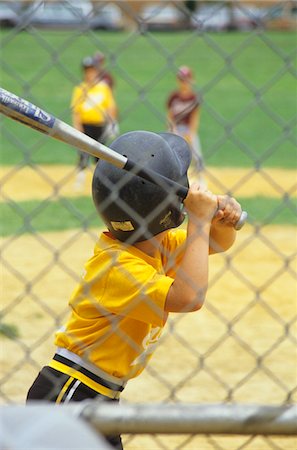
x=95, y=132
x=48, y=386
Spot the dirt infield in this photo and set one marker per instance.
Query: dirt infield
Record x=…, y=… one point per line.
x=200, y=359
x=41, y=182
x=37, y=286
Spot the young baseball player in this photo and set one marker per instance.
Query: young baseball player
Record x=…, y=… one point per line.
x=93, y=108
x=183, y=115
x=143, y=267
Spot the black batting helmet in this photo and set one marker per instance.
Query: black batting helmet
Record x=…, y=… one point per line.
x=88, y=62
x=135, y=209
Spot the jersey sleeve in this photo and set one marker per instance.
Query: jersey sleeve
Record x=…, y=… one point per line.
x=173, y=249
x=196, y=102
x=137, y=290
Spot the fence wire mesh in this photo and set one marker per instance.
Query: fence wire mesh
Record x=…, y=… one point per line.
x=241, y=347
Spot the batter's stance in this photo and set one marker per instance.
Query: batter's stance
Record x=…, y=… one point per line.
x=142, y=268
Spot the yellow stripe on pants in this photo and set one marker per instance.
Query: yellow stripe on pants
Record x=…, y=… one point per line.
x=64, y=389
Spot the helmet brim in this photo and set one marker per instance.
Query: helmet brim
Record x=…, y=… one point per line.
x=181, y=149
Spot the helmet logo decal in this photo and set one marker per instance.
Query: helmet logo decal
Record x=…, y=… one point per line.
x=166, y=221
x=122, y=226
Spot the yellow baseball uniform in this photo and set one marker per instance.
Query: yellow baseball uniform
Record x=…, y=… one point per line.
x=118, y=311
x=92, y=103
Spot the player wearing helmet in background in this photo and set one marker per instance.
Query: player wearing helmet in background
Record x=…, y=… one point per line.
x=93, y=108
x=143, y=268
x=183, y=115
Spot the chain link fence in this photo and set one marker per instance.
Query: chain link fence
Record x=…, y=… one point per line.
x=241, y=347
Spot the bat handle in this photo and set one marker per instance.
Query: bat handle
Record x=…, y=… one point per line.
x=241, y=221
x=160, y=180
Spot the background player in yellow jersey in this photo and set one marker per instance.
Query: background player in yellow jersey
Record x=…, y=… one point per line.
x=93, y=109
x=143, y=267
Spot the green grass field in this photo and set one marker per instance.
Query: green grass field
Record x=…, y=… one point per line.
x=32, y=216
x=247, y=83
x=248, y=113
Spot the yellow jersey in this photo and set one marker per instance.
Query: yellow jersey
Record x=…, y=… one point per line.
x=93, y=103
x=118, y=308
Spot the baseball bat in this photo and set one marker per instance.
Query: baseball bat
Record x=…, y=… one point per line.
x=32, y=116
